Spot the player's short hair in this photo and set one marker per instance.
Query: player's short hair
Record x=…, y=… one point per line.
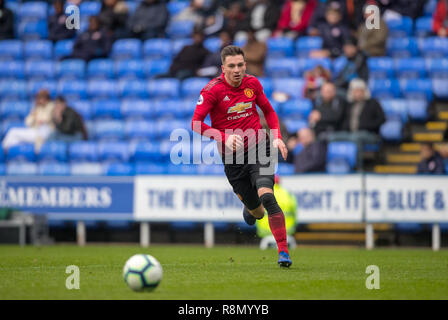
x=231, y=51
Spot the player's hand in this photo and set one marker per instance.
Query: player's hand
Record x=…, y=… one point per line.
x=278, y=143
x=234, y=142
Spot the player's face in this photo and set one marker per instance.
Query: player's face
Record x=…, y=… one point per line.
x=234, y=69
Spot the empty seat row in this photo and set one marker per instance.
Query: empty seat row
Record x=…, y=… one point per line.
x=386, y=67
x=409, y=88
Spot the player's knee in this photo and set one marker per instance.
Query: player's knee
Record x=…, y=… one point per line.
x=270, y=203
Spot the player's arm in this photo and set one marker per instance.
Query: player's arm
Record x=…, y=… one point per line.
x=271, y=119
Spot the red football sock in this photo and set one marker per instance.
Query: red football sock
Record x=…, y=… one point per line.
x=278, y=229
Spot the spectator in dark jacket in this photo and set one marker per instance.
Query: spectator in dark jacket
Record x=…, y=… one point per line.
x=188, y=61
x=57, y=29
x=69, y=125
x=318, y=16
x=440, y=20
x=113, y=17
x=328, y=111
x=409, y=8
x=149, y=20
x=6, y=22
x=432, y=162
x=312, y=157
x=92, y=44
x=212, y=65
x=355, y=66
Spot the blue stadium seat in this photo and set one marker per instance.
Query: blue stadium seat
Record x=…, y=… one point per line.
x=2, y=169
x=400, y=27
x=100, y=69
x=166, y=127
x=395, y=109
x=308, y=64
x=423, y=26
x=72, y=89
x=164, y=88
x=38, y=49
x=296, y=108
x=179, y=29
x=338, y=166
x=14, y=110
x=182, y=169
x=210, y=169
x=14, y=69
x=118, y=169
x=338, y=64
x=143, y=168
x=186, y=108
x=293, y=125
x=109, y=130
x=136, y=109
x=437, y=68
x=280, y=47
x=42, y=70
x=90, y=8
x=155, y=67
x=86, y=169
x=157, y=49
x=306, y=44
x=174, y=7
x=343, y=150
x=401, y=47
x=381, y=67
x=384, y=88
x=13, y=89
x=129, y=69
x=133, y=88
x=114, y=151
x=280, y=67
x=11, y=49
x=53, y=151
x=140, y=130
x=102, y=89
x=417, y=88
x=391, y=130
x=54, y=169
x=83, y=108
x=178, y=44
x=63, y=48
x=285, y=169
x=440, y=88
x=291, y=86
x=410, y=68
x=267, y=85
x=145, y=151
x=33, y=30
x=127, y=49
x=132, y=6
x=418, y=109
x=213, y=44
x=33, y=86
x=83, y=151
x=433, y=47
x=21, y=152
x=192, y=86
x=35, y=10
x=71, y=69
x=6, y=125
x=22, y=169
x=430, y=8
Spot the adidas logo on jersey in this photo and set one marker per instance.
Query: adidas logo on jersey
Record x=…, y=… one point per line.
x=226, y=99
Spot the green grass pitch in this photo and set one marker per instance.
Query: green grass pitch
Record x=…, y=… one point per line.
x=194, y=272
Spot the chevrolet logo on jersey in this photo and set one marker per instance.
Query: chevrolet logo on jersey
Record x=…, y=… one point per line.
x=240, y=107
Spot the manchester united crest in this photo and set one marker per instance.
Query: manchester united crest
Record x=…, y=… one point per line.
x=249, y=92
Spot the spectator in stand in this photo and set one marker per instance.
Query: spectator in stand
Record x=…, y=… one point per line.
x=149, y=20
x=309, y=154
x=440, y=20
x=38, y=124
x=212, y=65
x=295, y=18
x=6, y=22
x=190, y=59
x=432, y=162
x=314, y=79
x=372, y=41
x=355, y=66
x=255, y=52
x=328, y=111
x=262, y=16
x=393, y=9
x=334, y=33
x=114, y=17
x=235, y=18
x=319, y=14
x=363, y=118
x=57, y=29
x=93, y=43
x=69, y=125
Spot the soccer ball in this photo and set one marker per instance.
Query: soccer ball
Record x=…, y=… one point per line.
x=142, y=272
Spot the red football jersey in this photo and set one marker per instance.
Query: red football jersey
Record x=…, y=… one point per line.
x=233, y=108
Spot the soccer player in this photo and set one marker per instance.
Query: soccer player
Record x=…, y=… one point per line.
x=231, y=101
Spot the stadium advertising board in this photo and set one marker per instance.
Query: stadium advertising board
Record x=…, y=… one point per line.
x=68, y=196
x=394, y=198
